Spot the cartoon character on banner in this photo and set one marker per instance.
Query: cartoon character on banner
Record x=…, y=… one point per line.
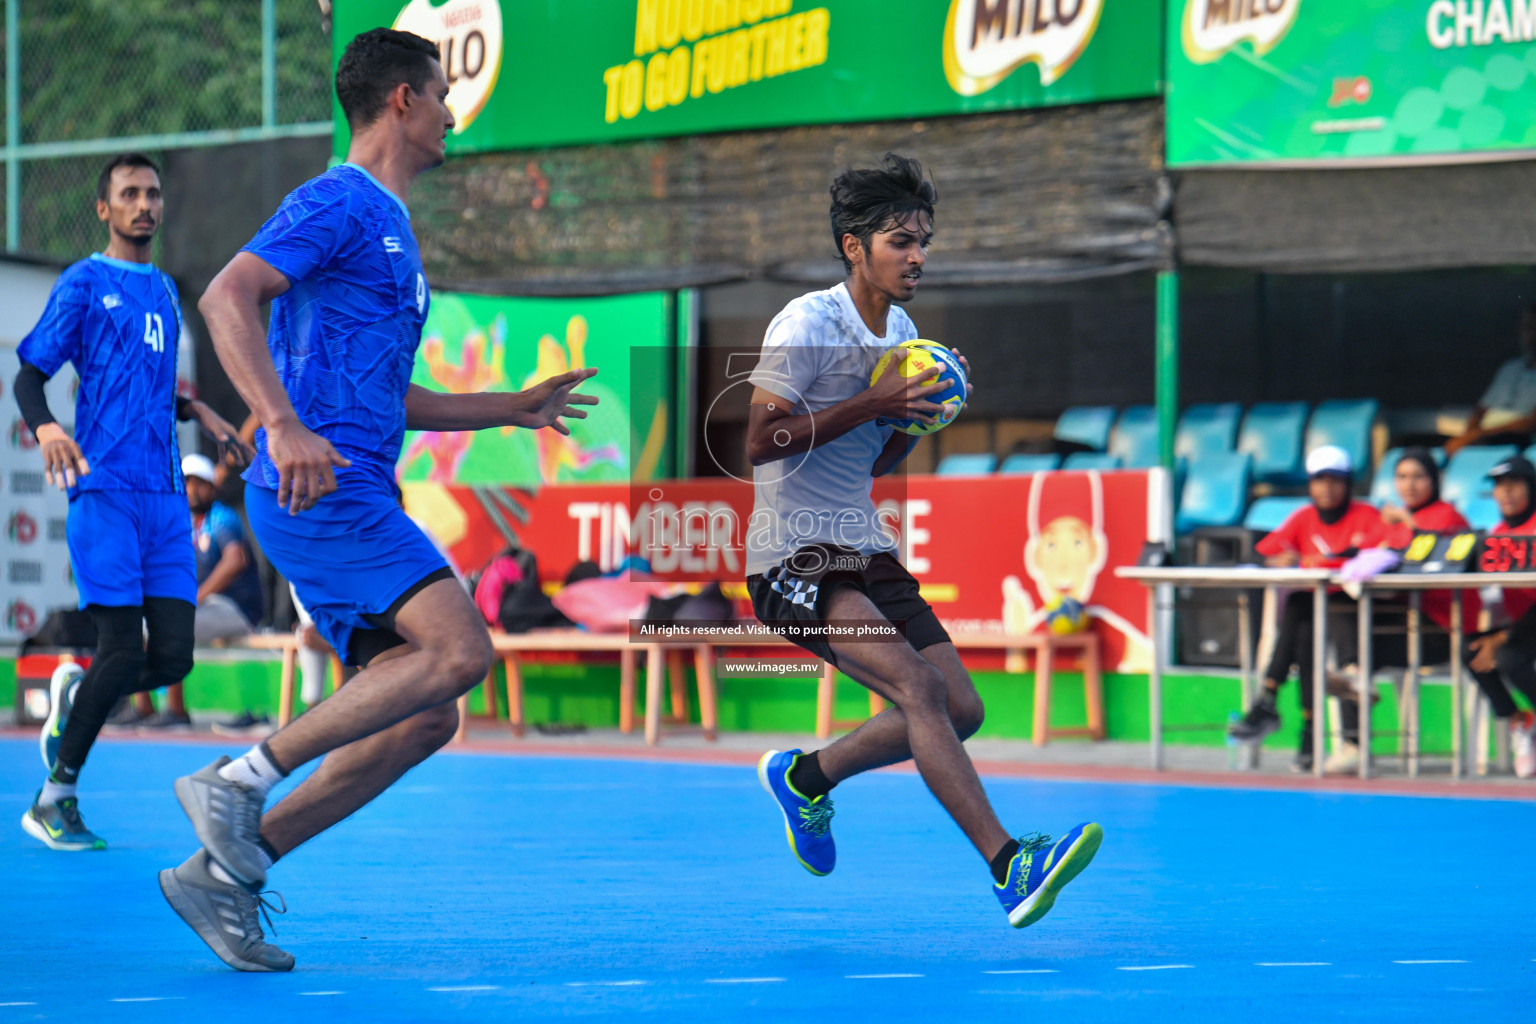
x=1063, y=557
x=555, y=449
x=479, y=368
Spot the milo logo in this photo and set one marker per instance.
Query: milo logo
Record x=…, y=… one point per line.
x=1212, y=27
x=468, y=37
x=985, y=40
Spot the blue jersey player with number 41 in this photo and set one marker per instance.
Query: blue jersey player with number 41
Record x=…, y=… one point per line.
x=116, y=317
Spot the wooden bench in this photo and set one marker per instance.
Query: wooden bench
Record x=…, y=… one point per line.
x=665, y=659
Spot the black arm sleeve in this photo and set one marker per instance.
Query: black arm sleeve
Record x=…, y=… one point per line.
x=183, y=408
x=30, y=397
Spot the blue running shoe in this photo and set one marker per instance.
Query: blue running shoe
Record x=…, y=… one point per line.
x=59, y=826
x=61, y=698
x=807, y=823
x=1041, y=869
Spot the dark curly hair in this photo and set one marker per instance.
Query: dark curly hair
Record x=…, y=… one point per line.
x=373, y=64
x=869, y=200
x=104, y=179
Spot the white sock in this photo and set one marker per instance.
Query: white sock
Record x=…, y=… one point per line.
x=53, y=792
x=254, y=770
x=266, y=858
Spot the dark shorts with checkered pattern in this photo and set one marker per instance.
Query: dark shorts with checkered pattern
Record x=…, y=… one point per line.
x=799, y=589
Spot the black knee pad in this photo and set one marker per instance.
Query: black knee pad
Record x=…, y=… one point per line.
x=119, y=658
x=169, y=657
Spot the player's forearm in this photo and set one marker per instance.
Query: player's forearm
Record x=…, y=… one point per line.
x=775, y=439
x=225, y=573
x=426, y=409
x=240, y=342
x=31, y=399
x=896, y=449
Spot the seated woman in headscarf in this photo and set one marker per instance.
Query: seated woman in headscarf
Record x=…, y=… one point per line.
x=1416, y=478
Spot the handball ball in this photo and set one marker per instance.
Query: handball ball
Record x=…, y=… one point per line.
x=1066, y=616
x=929, y=361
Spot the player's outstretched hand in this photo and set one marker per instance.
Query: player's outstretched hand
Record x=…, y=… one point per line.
x=549, y=401
x=232, y=447
x=63, y=464
x=304, y=462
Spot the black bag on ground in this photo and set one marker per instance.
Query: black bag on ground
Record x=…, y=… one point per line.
x=524, y=605
x=64, y=627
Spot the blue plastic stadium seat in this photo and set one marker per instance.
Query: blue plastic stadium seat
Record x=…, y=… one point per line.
x=1346, y=423
x=1022, y=462
x=1134, y=438
x=1086, y=424
x=1091, y=460
x=1482, y=513
x=966, y=465
x=1207, y=430
x=1215, y=492
x=1383, y=490
x=1466, y=478
x=1268, y=513
x=1271, y=433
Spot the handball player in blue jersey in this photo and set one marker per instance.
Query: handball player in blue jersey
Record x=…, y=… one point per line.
x=117, y=319
x=329, y=381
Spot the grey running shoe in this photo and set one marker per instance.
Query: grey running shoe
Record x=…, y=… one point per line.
x=224, y=916
x=227, y=819
x=61, y=698
x=60, y=827
x=124, y=717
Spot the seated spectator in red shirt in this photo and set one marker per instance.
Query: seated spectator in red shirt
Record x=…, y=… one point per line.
x=1505, y=659
x=1323, y=535
x=1417, y=480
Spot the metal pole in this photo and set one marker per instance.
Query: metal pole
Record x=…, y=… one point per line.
x=1456, y=641
x=268, y=63
x=12, y=125
x=1408, y=714
x=1363, y=740
x=1155, y=678
x=1167, y=364
x=1319, y=673
x=1250, y=753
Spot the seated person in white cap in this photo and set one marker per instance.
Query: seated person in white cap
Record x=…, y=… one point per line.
x=1322, y=535
x=229, y=597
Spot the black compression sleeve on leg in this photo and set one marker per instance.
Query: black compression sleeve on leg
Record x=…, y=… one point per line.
x=30, y=397
x=114, y=670
x=169, y=657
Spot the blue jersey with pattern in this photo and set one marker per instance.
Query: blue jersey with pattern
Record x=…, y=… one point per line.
x=119, y=323
x=343, y=337
x=219, y=528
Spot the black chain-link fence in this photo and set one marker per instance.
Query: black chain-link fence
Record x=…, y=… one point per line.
x=105, y=70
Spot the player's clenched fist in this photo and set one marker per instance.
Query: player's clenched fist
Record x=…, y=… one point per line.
x=304, y=462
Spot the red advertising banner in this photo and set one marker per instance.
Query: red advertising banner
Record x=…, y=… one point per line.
x=1014, y=553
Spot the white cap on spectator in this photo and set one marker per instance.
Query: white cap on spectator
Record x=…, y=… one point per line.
x=1329, y=458
x=200, y=466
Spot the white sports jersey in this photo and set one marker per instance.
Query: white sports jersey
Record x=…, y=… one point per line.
x=817, y=353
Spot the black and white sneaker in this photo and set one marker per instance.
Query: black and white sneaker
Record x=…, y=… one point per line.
x=224, y=915
x=124, y=717
x=166, y=721
x=1261, y=720
x=246, y=724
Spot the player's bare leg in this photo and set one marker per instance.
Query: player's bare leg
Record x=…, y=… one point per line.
x=919, y=689
x=883, y=739
x=448, y=653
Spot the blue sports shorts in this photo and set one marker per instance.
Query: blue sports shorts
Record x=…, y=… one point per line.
x=351, y=556
x=125, y=546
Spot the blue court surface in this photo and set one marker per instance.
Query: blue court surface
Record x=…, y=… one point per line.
x=489, y=887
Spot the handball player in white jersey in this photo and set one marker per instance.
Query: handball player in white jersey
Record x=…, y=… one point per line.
x=816, y=552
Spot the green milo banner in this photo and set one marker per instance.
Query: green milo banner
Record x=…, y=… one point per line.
x=1405, y=81
x=527, y=74
x=475, y=343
